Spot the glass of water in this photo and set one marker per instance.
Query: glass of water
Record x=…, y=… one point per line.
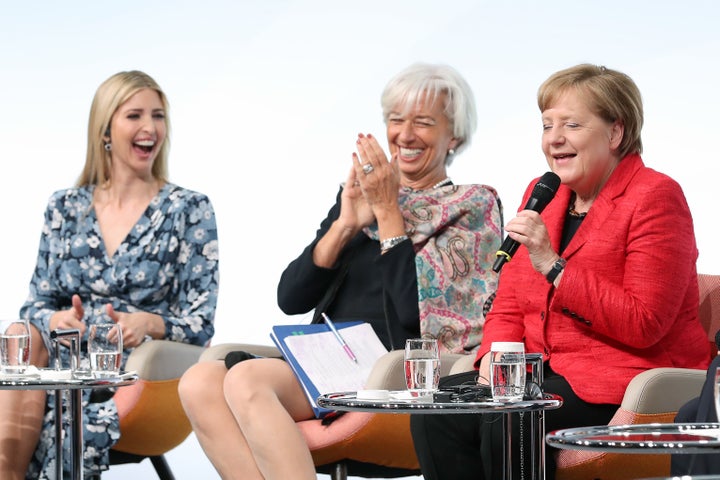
x=14, y=346
x=507, y=371
x=422, y=365
x=105, y=347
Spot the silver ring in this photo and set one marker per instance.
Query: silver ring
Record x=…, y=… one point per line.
x=367, y=168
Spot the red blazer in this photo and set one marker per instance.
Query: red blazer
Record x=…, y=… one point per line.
x=628, y=297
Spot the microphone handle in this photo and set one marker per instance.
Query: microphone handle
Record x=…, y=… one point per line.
x=505, y=253
x=510, y=246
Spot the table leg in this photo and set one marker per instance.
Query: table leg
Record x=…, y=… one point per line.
x=537, y=437
x=537, y=445
x=58, y=434
x=507, y=447
x=77, y=434
x=537, y=420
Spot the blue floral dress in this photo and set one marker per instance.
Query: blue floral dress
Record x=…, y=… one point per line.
x=167, y=265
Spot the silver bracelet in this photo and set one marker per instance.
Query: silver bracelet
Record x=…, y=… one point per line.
x=389, y=243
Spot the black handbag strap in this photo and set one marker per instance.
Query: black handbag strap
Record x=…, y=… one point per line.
x=332, y=290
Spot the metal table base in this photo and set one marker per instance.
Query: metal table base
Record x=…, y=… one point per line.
x=348, y=401
x=60, y=382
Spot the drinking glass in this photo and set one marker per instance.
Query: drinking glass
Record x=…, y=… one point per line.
x=716, y=392
x=105, y=347
x=507, y=371
x=422, y=365
x=14, y=346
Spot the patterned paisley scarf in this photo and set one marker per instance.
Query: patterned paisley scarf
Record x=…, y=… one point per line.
x=456, y=231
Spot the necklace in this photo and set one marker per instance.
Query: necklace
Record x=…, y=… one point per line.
x=442, y=183
x=574, y=213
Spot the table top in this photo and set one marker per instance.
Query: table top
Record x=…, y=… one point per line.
x=640, y=438
x=51, y=379
x=401, y=402
x=685, y=477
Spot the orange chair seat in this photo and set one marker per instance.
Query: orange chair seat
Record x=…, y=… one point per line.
x=152, y=420
x=382, y=439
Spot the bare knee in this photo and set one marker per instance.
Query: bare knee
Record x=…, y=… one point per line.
x=255, y=381
x=241, y=381
x=202, y=384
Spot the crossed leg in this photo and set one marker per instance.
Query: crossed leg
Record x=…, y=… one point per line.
x=245, y=418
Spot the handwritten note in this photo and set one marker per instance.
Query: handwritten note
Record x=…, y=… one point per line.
x=328, y=365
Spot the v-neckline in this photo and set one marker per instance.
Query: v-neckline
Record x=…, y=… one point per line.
x=143, y=219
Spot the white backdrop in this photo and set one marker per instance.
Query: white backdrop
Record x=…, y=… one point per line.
x=268, y=97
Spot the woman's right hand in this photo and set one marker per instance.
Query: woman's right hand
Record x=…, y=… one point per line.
x=355, y=212
x=70, y=318
x=529, y=229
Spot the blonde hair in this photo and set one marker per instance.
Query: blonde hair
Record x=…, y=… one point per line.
x=610, y=94
x=112, y=93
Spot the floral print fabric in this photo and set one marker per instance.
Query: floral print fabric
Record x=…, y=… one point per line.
x=167, y=265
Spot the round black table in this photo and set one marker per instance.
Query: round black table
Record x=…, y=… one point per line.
x=401, y=402
x=73, y=382
x=641, y=438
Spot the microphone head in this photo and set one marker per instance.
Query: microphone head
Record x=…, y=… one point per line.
x=546, y=187
x=543, y=191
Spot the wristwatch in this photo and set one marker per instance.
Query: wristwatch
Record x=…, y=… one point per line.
x=391, y=242
x=556, y=269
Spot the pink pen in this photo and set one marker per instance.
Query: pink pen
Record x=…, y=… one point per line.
x=332, y=328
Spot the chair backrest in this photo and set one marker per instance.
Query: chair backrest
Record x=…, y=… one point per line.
x=709, y=312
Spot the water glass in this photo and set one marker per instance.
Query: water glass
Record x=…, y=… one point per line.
x=14, y=346
x=507, y=371
x=105, y=347
x=422, y=365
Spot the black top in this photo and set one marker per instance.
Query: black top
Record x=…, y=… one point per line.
x=572, y=223
x=378, y=289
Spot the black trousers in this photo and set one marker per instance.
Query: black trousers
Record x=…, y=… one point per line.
x=469, y=446
x=701, y=410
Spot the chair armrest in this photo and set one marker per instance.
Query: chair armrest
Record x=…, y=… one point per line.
x=218, y=352
x=661, y=390
x=388, y=373
x=465, y=364
x=162, y=359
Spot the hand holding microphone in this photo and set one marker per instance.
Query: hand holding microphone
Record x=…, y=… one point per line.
x=542, y=193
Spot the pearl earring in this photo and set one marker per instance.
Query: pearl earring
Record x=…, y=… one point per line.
x=451, y=151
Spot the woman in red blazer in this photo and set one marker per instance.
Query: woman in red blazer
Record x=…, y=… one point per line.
x=604, y=284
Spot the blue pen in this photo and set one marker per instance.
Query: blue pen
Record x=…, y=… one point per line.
x=340, y=339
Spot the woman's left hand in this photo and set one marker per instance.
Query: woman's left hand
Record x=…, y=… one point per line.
x=528, y=229
x=135, y=326
x=379, y=186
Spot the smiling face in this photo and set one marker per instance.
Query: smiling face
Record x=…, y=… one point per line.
x=421, y=138
x=137, y=132
x=580, y=146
